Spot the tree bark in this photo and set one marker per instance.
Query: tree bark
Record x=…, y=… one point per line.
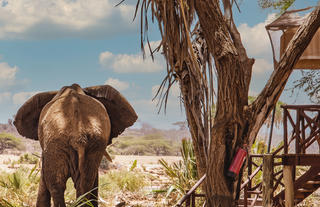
x=230, y=123
x=193, y=112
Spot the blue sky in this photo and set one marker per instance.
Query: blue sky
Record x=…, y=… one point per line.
x=46, y=44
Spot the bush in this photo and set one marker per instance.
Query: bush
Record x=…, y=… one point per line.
x=20, y=187
x=152, y=144
x=8, y=141
x=28, y=159
x=124, y=180
x=183, y=174
x=127, y=180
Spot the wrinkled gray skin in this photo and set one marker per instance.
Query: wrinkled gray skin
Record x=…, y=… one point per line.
x=74, y=130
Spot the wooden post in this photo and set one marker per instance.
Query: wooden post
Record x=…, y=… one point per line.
x=193, y=199
x=285, y=130
x=298, y=133
x=267, y=186
x=288, y=186
x=188, y=202
x=245, y=203
x=250, y=160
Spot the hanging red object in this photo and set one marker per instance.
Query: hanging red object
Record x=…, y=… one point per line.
x=237, y=162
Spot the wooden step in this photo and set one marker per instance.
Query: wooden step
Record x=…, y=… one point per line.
x=313, y=182
x=300, y=195
x=310, y=185
x=316, y=178
x=303, y=190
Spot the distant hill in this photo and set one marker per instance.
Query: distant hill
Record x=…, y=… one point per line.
x=146, y=129
x=8, y=128
x=146, y=140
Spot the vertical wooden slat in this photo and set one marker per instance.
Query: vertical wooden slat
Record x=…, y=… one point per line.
x=250, y=172
x=245, y=203
x=193, y=200
x=297, y=130
x=288, y=184
x=303, y=133
x=267, y=186
x=285, y=130
x=188, y=202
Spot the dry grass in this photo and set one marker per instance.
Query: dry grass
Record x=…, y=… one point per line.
x=136, y=187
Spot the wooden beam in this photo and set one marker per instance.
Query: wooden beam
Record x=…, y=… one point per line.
x=302, y=159
x=267, y=186
x=288, y=184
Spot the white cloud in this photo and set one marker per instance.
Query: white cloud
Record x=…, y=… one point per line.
x=255, y=39
x=7, y=74
x=261, y=66
x=5, y=96
x=133, y=63
x=116, y=83
x=20, y=98
x=25, y=19
x=124, y=63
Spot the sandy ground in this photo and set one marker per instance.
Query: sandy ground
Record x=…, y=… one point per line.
x=118, y=160
x=145, y=160
x=5, y=160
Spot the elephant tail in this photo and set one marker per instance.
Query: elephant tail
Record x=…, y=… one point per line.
x=81, y=164
x=105, y=153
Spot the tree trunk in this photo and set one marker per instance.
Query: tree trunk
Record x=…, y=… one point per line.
x=230, y=123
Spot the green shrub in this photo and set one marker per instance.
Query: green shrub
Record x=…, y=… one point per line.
x=126, y=180
x=8, y=141
x=123, y=180
x=151, y=144
x=20, y=187
x=28, y=159
x=183, y=174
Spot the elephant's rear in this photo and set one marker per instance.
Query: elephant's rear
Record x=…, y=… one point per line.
x=75, y=124
x=74, y=120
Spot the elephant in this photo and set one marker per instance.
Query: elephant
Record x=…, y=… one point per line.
x=74, y=127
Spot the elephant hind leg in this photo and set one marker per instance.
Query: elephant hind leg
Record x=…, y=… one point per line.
x=56, y=172
x=88, y=168
x=44, y=197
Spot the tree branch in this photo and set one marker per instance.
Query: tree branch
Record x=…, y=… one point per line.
x=236, y=38
x=267, y=99
x=234, y=33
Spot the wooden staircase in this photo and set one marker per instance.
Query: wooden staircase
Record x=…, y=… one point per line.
x=304, y=186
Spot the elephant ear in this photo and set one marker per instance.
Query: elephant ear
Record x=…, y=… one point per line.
x=27, y=117
x=120, y=112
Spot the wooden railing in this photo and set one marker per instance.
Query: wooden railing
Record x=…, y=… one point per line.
x=305, y=131
x=190, y=197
